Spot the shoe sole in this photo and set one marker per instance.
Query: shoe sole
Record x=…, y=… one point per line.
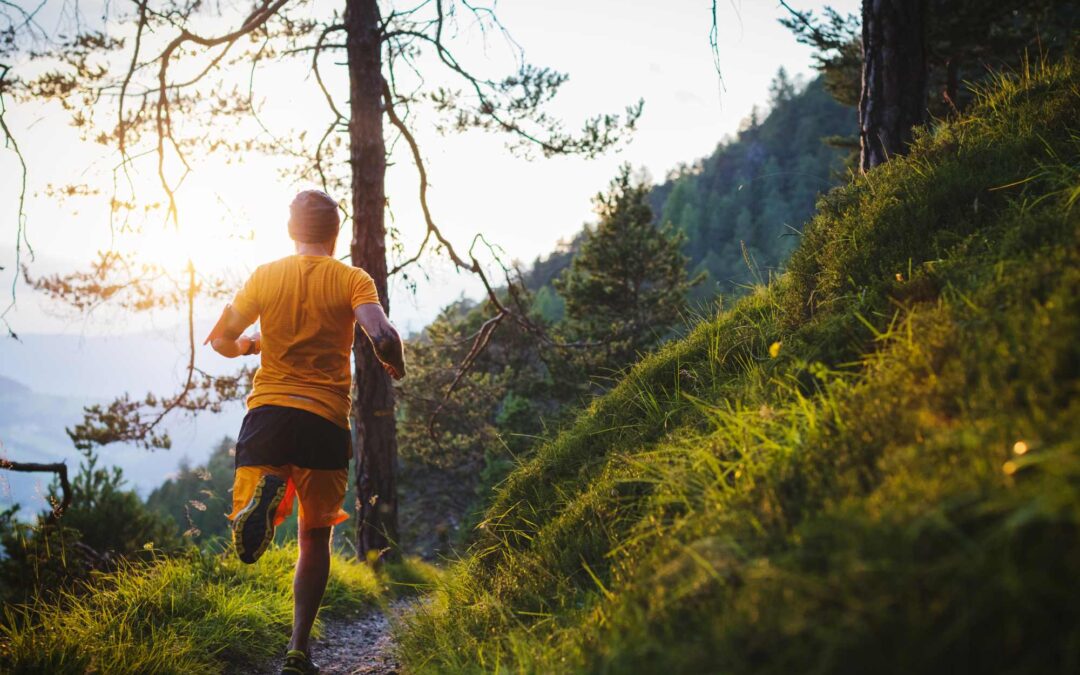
x=254, y=527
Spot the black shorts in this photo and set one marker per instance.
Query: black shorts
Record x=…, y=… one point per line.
x=279, y=435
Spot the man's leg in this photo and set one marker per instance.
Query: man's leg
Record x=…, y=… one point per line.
x=312, y=570
x=321, y=493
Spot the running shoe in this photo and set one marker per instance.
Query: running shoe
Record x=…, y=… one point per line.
x=298, y=663
x=253, y=529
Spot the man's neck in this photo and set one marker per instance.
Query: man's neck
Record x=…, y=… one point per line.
x=304, y=248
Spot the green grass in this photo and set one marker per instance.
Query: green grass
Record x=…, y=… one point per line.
x=871, y=465
x=196, y=614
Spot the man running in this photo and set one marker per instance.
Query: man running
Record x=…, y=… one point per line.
x=295, y=440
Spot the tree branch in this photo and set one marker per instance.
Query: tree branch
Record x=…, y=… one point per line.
x=256, y=19
x=432, y=229
x=537, y=87
x=59, y=468
x=20, y=227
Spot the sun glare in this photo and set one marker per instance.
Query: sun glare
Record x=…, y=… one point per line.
x=208, y=233
x=169, y=247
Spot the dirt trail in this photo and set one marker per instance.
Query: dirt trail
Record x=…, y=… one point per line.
x=360, y=646
x=352, y=646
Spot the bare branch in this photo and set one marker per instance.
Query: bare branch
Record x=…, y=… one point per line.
x=315, y=67
x=59, y=468
x=518, y=315
x=29, y=18
x=525, y=93
x=189, y=382
x=478, y=346
x=20, y=227
x=122, y=125
x=137, y=421
x=255, y=20
x=432, y=229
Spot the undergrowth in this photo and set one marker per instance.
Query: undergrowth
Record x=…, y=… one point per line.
x=199, y=613
x=870, y=465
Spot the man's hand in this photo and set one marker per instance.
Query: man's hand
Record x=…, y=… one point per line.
x=245, y=345
x=384, y=338
x=250, y=345
x=392, y=371
x=226, y=338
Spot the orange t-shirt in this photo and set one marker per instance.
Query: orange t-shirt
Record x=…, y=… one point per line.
x=305, y=304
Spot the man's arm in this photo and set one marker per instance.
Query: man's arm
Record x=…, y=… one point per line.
x=226, y=338
x=384, y=338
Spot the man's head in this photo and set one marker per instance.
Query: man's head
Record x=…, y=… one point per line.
x=313, y=218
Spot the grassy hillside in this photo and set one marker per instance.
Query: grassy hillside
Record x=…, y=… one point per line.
x=195, y=614
x=871, y=465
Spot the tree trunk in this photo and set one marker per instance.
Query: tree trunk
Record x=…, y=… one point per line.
x=374, y=435
x=894, y=80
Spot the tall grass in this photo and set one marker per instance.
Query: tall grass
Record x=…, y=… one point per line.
x=870, y=465
x=199, y=613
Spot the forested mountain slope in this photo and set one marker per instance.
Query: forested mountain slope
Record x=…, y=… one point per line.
x=757, y=189
x=871, y=464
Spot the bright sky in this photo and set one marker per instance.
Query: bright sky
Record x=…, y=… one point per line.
x=615, y=53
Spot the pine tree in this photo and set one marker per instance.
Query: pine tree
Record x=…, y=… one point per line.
x=628, y=285
x=744, y=226
x=781, y=89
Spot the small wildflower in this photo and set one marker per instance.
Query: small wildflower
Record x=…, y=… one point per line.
x=1009, y=467
x=774, y=349
x=900, y=277
x=148, y=546
x=1020, y=447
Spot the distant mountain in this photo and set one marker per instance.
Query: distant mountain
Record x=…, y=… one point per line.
x=103, y=366
x=32, y=428
x=32, y=424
